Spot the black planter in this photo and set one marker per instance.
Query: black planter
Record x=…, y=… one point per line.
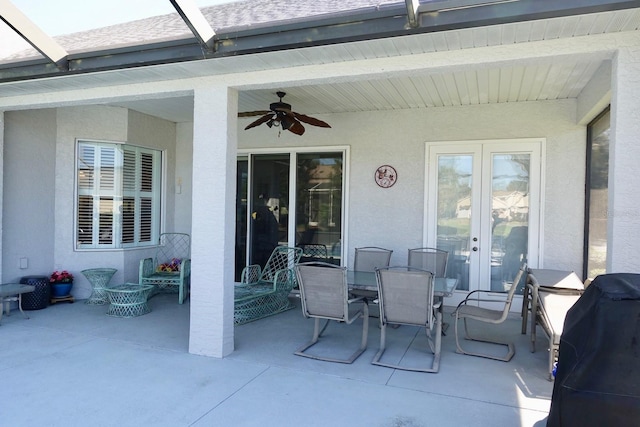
x=39, y=298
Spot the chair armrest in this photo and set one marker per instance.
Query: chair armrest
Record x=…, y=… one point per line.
x=477, y=295
x=467, y=299
x=185, y=268
x=283, y=280
x=250, y=274
x=560, y=291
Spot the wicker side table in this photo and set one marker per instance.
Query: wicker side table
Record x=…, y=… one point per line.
x=99, y=279
x=128, y=300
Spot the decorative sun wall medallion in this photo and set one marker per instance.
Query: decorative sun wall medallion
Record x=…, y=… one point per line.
x=386, y=176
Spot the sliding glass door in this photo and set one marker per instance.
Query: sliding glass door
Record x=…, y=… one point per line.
x=293, y=199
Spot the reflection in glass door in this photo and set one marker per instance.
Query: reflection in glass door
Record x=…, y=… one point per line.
x=454, y=212
x=269, y=205
x=509, y=217
x=319, y=206
x=485, y=210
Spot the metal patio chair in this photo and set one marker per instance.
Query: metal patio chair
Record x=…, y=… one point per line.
x=170, y=270
x=313, y=252
x=325, y=295
x=430, y=259
x=265, y=291
x=469, y=309
x=368, y=258
x=406, y=297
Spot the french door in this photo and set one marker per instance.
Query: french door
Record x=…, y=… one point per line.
x=293, y=198
x=483, y=207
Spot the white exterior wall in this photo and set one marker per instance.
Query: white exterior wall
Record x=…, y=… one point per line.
x=152, y=132
x=624, y=155
x=87, y=122
x=183, y=177
x=28, y=219
x=393, y=217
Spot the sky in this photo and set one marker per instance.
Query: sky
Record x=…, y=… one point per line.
x=56, y=17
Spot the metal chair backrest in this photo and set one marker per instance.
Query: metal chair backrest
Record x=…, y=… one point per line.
x=514, y=288
x=323, y=290
x=405, y=295
x=430, y=259
x=173, y=246
x=282, y=257
x=314, y=250
x=371, y=257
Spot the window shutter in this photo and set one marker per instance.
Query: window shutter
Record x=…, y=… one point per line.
x=128, y=199
x=118, y=187
x=146, y=197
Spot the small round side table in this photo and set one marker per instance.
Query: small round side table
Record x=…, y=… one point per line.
x=99, y=279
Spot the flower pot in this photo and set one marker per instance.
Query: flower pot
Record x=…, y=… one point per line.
x=59, y=289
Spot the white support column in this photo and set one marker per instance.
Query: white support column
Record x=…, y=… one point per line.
x=213, y=221
x=623, y=232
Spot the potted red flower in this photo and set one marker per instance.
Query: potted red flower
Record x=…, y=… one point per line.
x=61, y=283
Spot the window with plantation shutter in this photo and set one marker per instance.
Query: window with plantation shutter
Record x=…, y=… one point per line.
x=118, y=195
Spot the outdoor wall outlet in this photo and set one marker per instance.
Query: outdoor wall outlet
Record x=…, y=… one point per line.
x=24, y=263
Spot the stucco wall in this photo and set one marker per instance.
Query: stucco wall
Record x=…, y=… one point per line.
x=393, y=217
x=183, y=177
x=28, y=206
x=87, y=122
x=152, y=132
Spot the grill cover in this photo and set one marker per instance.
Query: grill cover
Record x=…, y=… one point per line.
x=598, y=377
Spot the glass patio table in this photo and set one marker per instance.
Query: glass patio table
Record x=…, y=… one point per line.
x=366, y=280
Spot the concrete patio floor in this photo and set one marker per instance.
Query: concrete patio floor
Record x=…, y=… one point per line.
x=71, y=365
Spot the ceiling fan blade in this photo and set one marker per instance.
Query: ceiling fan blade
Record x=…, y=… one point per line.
x=253, y=113
x=311, y=120
x=296, y=127
x=260, y=121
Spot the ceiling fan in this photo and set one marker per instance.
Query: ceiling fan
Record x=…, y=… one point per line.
x=280, y=114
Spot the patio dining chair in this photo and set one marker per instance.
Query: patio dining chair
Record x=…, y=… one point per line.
x=469, y=309
x=169, y=271
x=369, y=258
x=325, y=295
x=430, y=259
x=406, y=297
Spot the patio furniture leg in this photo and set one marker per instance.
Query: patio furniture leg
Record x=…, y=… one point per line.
x=511, y=351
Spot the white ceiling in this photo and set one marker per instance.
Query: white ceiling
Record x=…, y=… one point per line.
x=521, y=83
x=508, y=81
